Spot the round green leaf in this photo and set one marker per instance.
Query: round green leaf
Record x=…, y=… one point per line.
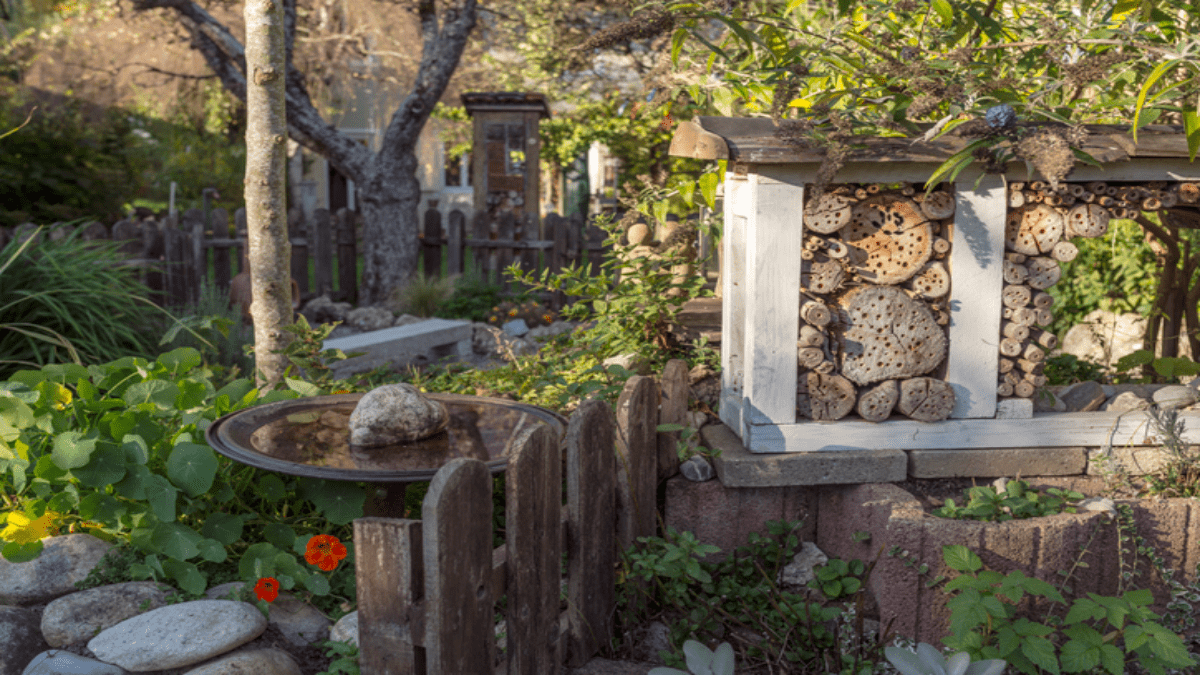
x=72, y=450
x=136, y=450
x=258, y=561
x=186, y=575
x=223, y=527
x=271, y=488
x=161, y=495
x=47, y=469
x=340, y=502
x=192, y=467
x=177, y=540
x=212, y=550
x=19, y=553
x=133, y=485
x=280, y=535
x=181, y=360
x=106, y=467
x=318, y=584
x=161, y=393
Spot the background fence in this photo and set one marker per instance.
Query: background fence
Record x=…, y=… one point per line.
x=428, y=590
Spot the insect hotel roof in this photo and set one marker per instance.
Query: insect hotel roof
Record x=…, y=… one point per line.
x=803, y=342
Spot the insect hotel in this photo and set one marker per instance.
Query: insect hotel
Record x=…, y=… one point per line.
x=879, y=315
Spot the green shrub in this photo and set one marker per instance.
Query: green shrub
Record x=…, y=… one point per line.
x=473, y=299
x=69, y=300
x=214, y=328
x=1017, y=501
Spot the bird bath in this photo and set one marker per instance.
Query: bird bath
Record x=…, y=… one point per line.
x=309, y=437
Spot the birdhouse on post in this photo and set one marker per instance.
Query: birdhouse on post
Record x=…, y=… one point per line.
x=872, y=313
x=504, y=155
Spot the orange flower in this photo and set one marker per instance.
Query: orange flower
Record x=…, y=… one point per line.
x=324, y=551
x=342, y=391
x=267, y=589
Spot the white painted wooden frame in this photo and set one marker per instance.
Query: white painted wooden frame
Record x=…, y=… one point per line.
x=760, y=319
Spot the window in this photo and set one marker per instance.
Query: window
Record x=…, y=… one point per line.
x=457, y=171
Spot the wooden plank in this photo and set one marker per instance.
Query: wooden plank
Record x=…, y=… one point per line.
x=455, y=235
x=533, y=504
x=239, y=222
x=322, y=251
x=533, y=244
x=672, y=410
x=733, y=299
x=389, y=568
x=527, y=231
x=431, y=249
x=506, y=227
x=347, y=256
x=637, y=454
x=977, y=281
x=591, y=546
x=457, y=516
x=481, y=229
x=556, y=227
x=1044, y=430
x=772, y=302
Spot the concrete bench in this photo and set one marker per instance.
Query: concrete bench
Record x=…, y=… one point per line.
x=433, y=338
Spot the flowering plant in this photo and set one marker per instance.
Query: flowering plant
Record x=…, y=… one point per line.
x=323, y=550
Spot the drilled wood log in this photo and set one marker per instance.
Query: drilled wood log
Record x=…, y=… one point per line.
x=1087, y=220
x=826, y=367
x=1012, y=377
x=1024, y=389
x=829, y=214
x=836, y=249
x=1045, y=338
x=1015, y=331
x=831, y=397
x=1044, y=317
x=826, y=277
x=807, y=255
x=888, y=335
x=1064, y=251
x=810, y=337
x=1033, y=230
x=1004, y=390
x=1036, y=379
x=809, y=357
x=1034, y=354
x=1014, y=273
x=1031, y=366
x=1016, y=296
x=815, y=314
x=1016, y=199
x=925, y=399
x=1043, y=300
x=941, y=246
x=1189, y=193
x=889, y=238
x=1018, y=258
x=938, y=205
x=933, y=281
x=1006, y=365
x=1024, y=316
x=876, y=404
x=1043, y=272
x=1010, y=347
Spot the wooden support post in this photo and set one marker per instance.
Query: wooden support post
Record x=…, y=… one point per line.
x=637, y=452
x=321, y=243
x=431, y=244
x=482, y=230
x=455, y=233
x=347, y=256
x=673, y=410
x=389, y=568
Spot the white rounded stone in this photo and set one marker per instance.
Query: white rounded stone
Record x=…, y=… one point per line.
x=179, y=635
x=395, y=413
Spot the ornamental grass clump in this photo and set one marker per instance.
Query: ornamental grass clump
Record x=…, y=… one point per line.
x=71, y=301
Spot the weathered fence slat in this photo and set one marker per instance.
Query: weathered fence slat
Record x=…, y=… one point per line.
x=457, y=515
x=320, y=234
x=672, y=410
x=219, y=238
x=455, y=233
x=347, y=256
x=481, y=229
x=389, y=569
x=431, y=245
x=637, y=454
x=532, y=511
x=556, y=227
x=298, y=236
x=240, y=230
x=529, y=232
x=591, y=519
x=504, y=255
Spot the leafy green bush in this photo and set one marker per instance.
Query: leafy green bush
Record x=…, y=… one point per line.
x=214, y=328
x=1017, y=501
x=473, y=299
x=70, y=300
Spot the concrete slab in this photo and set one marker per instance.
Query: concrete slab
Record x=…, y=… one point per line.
x=433, y=338
x=738, y=467
x=995, y=462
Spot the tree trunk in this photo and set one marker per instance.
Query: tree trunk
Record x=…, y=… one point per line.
x=390, y=200
x=266, y=167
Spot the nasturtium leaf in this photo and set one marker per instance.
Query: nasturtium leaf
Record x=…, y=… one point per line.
x=65, y=501
x=271, y=488
x=177, y=540
x=133, y=485
x=258, y=561
x=72, y=450
x=286, y=563
x=318, y=584
x=47, y=469
x=186, y=575
x=161, y=495
x=236, y=390
x=286, y=581
x=223, y=527
x=180, y=361
x=192, y=467
x=303, y=388
x=224, y=493
x=143, y=538
x=22, y=392
x=161, y=393
x=280, y=535
x=106, y=467
x=63, y=373
x=19, y=553
x=136, y=450
x=192, y=394
x=212, y=550
x=120, y=424
x=341, y=502
x=16, y=412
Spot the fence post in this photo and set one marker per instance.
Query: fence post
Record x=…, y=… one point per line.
x=220, y=249
x=591, y=521
x=533, y=482
x=195, y=264
x=431, y=244
x=322, y=252
x=594, y=236
x=504, y=256
x=298, y=235
x=673, y=410
x=152, y=253
x=389, y=568
x=637, y=455
x=242, y=235
x=528, y=231
x=482, y=231
x=454, y=241
x=347, y=255
x=457, y=515
x=556, y=258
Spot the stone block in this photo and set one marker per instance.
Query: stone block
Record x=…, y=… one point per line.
x=738, y=467
x=433, y=338
x=725, y=517
x=1133, y=460
x=993, y=462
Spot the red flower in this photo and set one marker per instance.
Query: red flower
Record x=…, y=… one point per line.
x=267, y=589
x=324, y=551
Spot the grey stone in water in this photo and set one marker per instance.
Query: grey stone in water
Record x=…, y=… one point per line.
x=516, y=328
x=57, y=662
x=1175, y=396
x=1126, y=401
x=395, y=413
x=697, y=469
x=1083, y=397
x=799, y=572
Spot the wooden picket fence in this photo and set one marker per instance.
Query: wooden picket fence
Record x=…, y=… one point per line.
x=428, y=589
x=188, y=249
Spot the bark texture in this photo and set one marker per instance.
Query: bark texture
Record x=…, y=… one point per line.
x=386, y=181
x=266, y=167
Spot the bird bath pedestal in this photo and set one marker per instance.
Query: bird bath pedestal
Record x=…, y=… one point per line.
x=309, y=437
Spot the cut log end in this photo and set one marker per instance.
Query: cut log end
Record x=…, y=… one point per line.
x=876, y=404
x=830, y=397
x=925, y=399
